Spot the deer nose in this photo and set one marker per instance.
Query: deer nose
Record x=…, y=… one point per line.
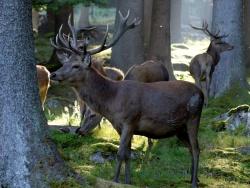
x=52, y=75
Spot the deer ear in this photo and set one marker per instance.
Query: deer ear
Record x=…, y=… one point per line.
x=62, y=56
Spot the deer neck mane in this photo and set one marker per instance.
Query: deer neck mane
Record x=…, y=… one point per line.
x=215, y=54
x=96, y=91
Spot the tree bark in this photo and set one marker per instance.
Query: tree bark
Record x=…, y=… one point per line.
x=81, y=12
x=228, y=17
x=175, y=21
x=60, y=18
x=247, y=32
x=35, y=20
x=147, y=23
x=27, y=156
x=159, y=45
x=129, y=50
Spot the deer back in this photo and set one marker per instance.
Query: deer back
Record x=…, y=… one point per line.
x=149, y=71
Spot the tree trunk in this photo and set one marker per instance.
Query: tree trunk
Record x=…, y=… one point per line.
x=35, y=20
x=81, y=15
x=185, y=18
x=147, y=23
x=27, y=156
x=60, y=18
x=228, y=17
x=247, y=32
x=129, y=50
x=175, y=21
x=159, y=46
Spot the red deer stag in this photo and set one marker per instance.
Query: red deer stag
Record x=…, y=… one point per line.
x=202, y=66
x=87, y=115
x=43, y=76
x=156, y=110
x=149, y=71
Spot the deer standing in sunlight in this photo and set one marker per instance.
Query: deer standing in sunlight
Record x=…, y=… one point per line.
x=202, y=65
x=156, y=110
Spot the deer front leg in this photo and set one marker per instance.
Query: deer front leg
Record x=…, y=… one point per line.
x=150, y=144
x=127, y=165
x=124, y=154
x=208, y=76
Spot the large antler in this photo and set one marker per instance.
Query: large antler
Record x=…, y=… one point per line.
x=59, y=46
x=70, y=43
x=204, y=28
x=122, y=28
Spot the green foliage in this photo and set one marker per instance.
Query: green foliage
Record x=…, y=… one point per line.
x=57, y=4
x=219, y=126
x=43, y=48
x=70, y=183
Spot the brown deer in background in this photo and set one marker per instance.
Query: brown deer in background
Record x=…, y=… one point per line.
x=156, y=110
x=149, y=71
x=202, y=66
x=43, y=76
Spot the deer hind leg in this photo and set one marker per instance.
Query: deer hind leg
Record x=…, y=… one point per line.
x=208, y=80
x=184, y=138
x=127, y=166
x=124, y=154
x=204, y=91
x=83, y=110
x=150, y=144
x=192, y=131
x=43, y=94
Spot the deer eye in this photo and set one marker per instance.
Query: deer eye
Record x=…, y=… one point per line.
x=76, y=66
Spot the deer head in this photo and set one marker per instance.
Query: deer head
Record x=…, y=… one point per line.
x=217, y=43
x=75, y=55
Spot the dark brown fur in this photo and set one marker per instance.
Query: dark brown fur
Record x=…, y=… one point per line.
x=149, y=71
x=155, y=110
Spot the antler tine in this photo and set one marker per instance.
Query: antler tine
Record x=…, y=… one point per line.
x=73, y=40
x=61, y=37
x=122, y=28
x=124, y=18
x=205, y=29
x=86, y=29
x=72, y=29
x=57, y=45
x=217, y=36
x=101, y=47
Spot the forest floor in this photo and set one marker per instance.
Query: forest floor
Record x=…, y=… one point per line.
x=168, y=163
